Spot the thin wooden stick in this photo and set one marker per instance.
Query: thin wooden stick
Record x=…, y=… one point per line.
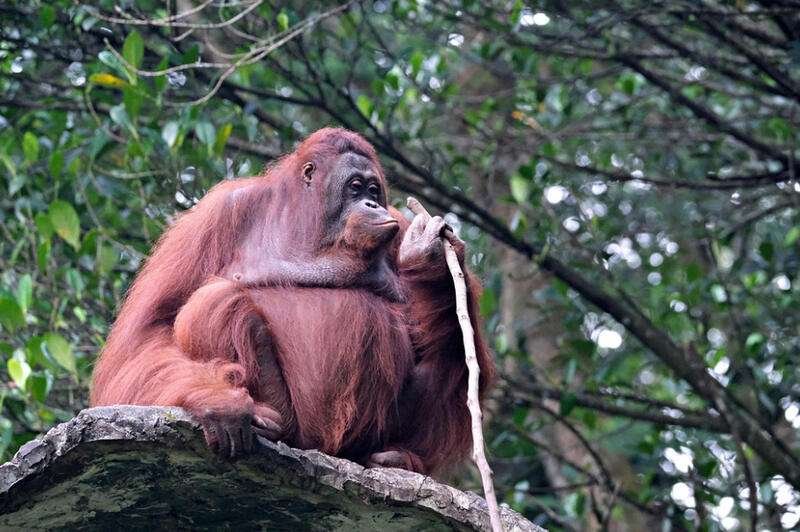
x=473, y=401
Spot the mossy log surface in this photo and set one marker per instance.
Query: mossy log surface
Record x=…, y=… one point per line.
x=148, y=468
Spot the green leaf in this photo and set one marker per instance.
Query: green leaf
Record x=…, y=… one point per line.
x=206, y=133
x=516, y=12
x=694, y=272
x=89, y=242
x=25, y=292
x=11, y=315
x=627, y=83
x=66, y=223
x=567, y=403
x=570, y=370
x=754, y=279
x=12, y=170
x=487, y=302
x=99, y=144
x=18, y=369
x=393, y=80
x=47, y=16
x=170, y=133
x=120, y=116
x=718, y=293
x=75, y=281
x=779, y=128
x=16, y=183
x=766, y=250
x=416, y=62
x=364, y=105
x=42, y=254
x=222, y=138
x=59, y=349
x=283, y=21
x=133, y=49
x=160, y=82
x=56, y=163
x=6, y=433
x=30, y=147
x=38, y=385
x=111, y=60
x=501, y=344
x=754, y=342
x=549, y=149
x=518, y=223
x=80, y=313
x=706, y=468
x=520, y=188
x=106, y=259
x=528, y=171
x=44, y=225
x=191, y=55
x=34, y=354
x=75, y=165
x=520, y=416
x=792, y=235
x=132, y=99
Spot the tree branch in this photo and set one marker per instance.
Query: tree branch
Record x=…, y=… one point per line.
x=473, y=369
x=690, y=419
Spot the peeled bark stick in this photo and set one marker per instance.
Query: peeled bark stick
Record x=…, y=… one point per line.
x=473, y=399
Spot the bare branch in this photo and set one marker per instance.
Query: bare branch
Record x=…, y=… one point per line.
x=673, y=415
x=720, y=184
x=474, y=371
x=173, y=21
x=254, y=55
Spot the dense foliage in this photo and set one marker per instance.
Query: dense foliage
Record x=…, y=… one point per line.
x=624, y=172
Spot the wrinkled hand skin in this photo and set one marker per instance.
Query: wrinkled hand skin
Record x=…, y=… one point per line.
x=231, y=434
x=421, y=252
x=267, y=422
x=397, y=458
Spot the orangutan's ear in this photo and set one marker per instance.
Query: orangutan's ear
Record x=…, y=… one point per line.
x=308, y=171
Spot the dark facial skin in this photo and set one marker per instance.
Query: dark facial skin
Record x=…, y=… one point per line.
x=355, y=216
x=357, y=229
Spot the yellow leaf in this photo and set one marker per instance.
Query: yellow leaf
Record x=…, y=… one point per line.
x=107, y=80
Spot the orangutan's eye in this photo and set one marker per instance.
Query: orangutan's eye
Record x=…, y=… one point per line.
x=356, y=187
x=373, y=190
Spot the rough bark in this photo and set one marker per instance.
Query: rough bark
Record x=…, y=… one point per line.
x=148, y=468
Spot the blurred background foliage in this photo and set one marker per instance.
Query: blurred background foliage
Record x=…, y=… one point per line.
x=623, y=171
